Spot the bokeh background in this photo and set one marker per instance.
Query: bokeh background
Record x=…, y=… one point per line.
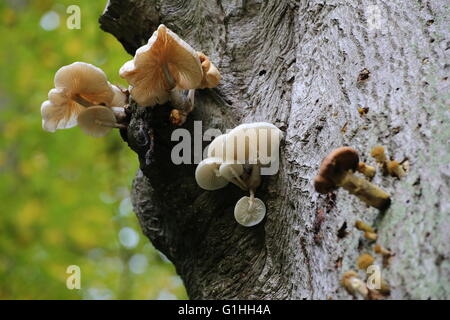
x=64, y=196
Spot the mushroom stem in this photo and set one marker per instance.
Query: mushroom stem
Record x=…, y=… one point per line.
x=237, y=180
x=170, y=80
x=251, y=200
x=253, y=182
x=80, y=100
x=363, y=189
x=395, y=169
x=110, y=124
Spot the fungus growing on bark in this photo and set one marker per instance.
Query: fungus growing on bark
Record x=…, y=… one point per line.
x=208, y=176
x=354, y=285
x=211, y=75
x=366, y=170
x=77, y=86
x=372, y=236
x=249, y=212
x=364, y=261
x=360, y=225
x=380, y=250
x=166, y=62
x=337, y=170
x=395, y=169
x=97, y=121
x=380, y=156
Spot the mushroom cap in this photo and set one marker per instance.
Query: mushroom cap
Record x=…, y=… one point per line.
x=338, y=161
x=56, y=117
x=244, y=143
x=206, y=174
x=85, y=80
x=246, y=217
x=88, y=120
x=364, y=261
x=145, y=73
x=226, y=170
x=217, y=147
x=211, y=75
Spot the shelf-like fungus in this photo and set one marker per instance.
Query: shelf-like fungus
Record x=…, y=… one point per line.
x=208, y=176
x=97, y=121
x=249, y=212
x=166, y=62
x=337, y=170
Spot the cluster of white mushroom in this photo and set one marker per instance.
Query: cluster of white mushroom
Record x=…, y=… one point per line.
x=161, y=71
x=237, y=157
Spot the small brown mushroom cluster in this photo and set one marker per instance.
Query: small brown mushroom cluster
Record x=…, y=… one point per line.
x=235, y=157
x=337, y=170
x=83, y=96
x=165, y=67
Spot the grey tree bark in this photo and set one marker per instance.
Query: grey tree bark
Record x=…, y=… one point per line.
x=302, y=65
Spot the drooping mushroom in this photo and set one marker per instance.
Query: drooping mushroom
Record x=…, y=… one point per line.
x=164, y=63
x=77, y=86
x=208, y=176
x=97, y=121
x=337, y=170
x=249, y=213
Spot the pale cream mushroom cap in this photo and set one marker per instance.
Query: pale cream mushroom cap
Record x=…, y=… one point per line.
x=241, y=148
x=145, y=73
x=217, y=147
x=86, y=81
x=55, y=117
x=246, y=217
x=89, y=120
x=207, y=174
x=211, y=75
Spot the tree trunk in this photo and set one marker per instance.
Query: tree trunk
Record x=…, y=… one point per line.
x=305, y=66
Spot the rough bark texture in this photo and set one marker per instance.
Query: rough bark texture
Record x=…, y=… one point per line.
x=298, y=64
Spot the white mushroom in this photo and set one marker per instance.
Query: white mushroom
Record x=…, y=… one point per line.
x=233, y=172
x=207, y=174
x=97, y=121
x=249, y=213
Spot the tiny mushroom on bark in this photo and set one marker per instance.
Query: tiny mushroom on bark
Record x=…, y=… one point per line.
x=208, y=176
x=337, y=170
x=395, y=169
x=366, y=170
x=360, y=225
x=379, y=155
x=354, y=285
x=211, y=75
x=97, y=121
x=364, y=261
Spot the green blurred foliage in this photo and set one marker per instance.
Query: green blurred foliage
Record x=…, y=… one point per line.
x=64, y=195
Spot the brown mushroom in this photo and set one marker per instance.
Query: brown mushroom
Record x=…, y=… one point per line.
x=337, y=170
